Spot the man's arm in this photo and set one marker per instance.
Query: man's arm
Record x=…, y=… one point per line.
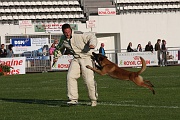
x=91, y=38
x=59, y=49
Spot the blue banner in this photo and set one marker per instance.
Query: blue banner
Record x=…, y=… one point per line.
x=21, y=41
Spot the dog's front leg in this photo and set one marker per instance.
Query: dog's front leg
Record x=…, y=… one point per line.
x=95, y=70
x=98, y=67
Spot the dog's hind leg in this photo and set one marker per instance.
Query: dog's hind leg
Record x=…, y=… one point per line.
x=147, y=81
x=139, y=81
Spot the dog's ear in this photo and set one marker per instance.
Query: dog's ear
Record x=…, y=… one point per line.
x=102, y=57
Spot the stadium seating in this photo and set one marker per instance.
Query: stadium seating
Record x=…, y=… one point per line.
x=77, y=10
x=42, y=10
x=147, y=6
x=91, y=6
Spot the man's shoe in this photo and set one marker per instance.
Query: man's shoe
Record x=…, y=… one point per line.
x=73, y=102
x=93, y=103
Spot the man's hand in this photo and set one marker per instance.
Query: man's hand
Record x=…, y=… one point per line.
x=55, y=60
x=91, y=47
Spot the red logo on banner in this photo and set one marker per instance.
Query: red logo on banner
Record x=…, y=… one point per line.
x=63, y=65
x=12, y=62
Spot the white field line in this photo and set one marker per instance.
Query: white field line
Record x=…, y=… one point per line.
x=133, y=105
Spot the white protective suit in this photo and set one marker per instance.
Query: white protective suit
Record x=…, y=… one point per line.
x=79, y=47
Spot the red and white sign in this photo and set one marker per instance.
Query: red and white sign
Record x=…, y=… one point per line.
x=25, y=23
x=132, y=59
x=62, y=63
x=91, y=24
x=18, y=64
x=106, y=11
x=53, y=27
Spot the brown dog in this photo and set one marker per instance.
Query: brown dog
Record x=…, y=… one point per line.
x=107, y=67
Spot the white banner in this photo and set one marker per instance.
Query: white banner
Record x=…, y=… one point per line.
x=132, y=59
x=106, y=11
x=52, y=27
x=22, y=45
x=62, y=63
x=18, y=64
x=91, y=24
x=25, y=23
x=172, y=55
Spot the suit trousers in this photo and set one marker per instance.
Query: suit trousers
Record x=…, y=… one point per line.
x=78, y=67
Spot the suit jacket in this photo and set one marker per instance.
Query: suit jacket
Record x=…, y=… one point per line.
x=3, y=53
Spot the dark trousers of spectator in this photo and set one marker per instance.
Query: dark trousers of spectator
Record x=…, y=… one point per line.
x=164, y=58
x=159, y=57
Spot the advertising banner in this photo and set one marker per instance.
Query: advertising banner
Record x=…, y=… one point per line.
x=132, y=59
x=52, y=27
x=91, y=24
x=22, y=45
x=106, y=11
x=18, y=64
x=25, y=23
x=62, y=63
x=172, y=55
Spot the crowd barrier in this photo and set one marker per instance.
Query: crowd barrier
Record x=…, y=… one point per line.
x=123, y=59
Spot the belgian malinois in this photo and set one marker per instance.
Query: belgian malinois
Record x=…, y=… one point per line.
x=105, y=66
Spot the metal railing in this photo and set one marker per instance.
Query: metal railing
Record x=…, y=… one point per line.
x=44, y=65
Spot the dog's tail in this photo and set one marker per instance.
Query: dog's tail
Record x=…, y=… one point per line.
x=143, y=66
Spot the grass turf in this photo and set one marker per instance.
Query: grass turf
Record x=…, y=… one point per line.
x=42, y=96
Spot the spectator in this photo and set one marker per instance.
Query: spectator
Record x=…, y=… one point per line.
x=51, y=49
x=10, y=52
x=164, y=54
x=129, y=47
x=3, y=51
x=56, y=42
x=158, y=49
x=101, y=49
x=149, y=47
x=139, y=48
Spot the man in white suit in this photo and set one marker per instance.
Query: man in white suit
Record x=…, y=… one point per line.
x=81, y=47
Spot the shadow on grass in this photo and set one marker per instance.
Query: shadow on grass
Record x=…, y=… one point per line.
x=60, y=103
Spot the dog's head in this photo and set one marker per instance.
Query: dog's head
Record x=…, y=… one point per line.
x=98, y=58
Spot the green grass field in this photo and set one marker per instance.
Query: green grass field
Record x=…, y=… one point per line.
x=42, y=96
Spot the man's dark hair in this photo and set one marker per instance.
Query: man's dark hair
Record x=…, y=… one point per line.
x=158, y=40
x=65, y=26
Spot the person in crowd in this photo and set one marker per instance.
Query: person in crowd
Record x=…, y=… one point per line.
x=149, y=47
x=56, y=42
x=10, y=52
x=164, y=53
x=129, y=47
x=3, y=51
x=139, y=48
x=81, y=46
x=101, y=49
x=51, y=49
x=157, y=48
